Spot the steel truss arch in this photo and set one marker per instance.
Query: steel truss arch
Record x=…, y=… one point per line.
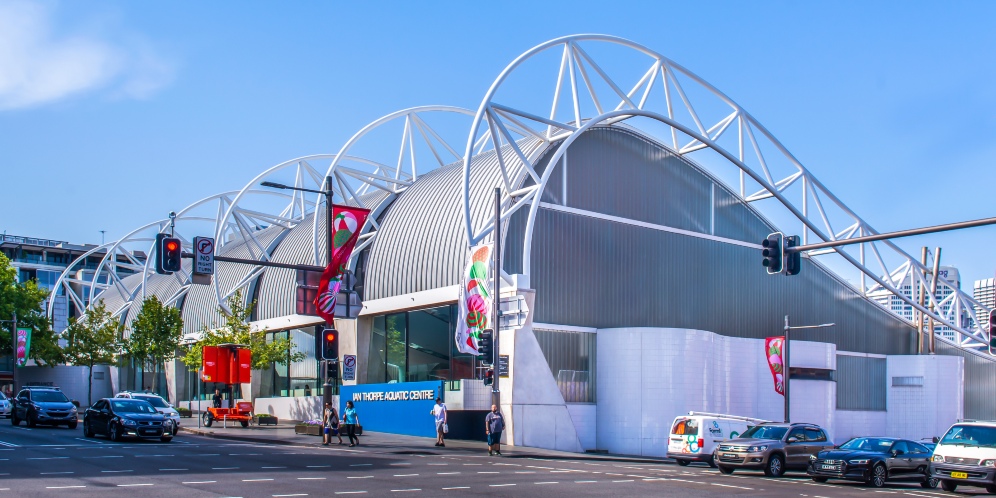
x=502, y=126
x=356, y=178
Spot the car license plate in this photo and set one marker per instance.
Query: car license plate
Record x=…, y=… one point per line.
x=959, y=475
x=729, y=455
x=828, y=467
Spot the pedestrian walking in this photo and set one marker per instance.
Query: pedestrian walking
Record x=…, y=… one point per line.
x=350, y=421
x=439, y=414
x=217, y=398
x=330, y=421
x=494, y=424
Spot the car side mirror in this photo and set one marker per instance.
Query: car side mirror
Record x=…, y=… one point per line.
x=793, y=440
x=75, y=403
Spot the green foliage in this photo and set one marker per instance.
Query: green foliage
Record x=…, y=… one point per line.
x=93, y=340
x=27, y=300
x=155, y=335
x=236, y=330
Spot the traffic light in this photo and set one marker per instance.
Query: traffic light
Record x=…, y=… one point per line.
x=992, y=332
x=773, y=252
x=330, y=344
x=489, y=377
x=332, y=370
x=792, y=260
x=488, y=347
x=169, y=250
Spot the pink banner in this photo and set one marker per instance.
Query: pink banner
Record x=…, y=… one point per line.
x=347, y=221
x=773, y=352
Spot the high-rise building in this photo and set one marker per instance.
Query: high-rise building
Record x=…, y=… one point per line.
x=984, y=291
x=893, y=303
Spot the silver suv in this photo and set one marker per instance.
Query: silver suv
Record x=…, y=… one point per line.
x=773, y=448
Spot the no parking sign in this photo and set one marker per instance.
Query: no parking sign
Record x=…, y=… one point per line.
x=349, y=367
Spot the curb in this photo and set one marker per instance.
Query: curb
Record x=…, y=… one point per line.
x=578, y=456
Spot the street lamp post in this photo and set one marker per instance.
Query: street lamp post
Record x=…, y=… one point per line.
x=786, y=351
x=327, y=386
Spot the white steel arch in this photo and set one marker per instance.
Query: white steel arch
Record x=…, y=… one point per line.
x=663, y=91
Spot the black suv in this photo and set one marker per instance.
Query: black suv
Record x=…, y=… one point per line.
x=43, y=405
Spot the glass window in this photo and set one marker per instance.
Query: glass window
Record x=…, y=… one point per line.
x=685, y=427
x=307, y=290
x=798, y=433
x=417, y=346
x=429, y=344
x=917, y=448
x=303, y=374
x=571, y=357
x=813, y=434
x=397, y=336
x=900, y=448
x=377, y=354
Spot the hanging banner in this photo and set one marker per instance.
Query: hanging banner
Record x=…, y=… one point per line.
x=346, y=224
x=773, y=352
x=23, y=346
x=475, y=300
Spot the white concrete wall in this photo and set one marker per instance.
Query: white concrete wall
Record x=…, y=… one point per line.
x=72, y=380
x=647, y=376
x=300, y=408
x=584, y=417
x=927, y=411
x=854, y=423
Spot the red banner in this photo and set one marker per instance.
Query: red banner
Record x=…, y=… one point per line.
x=346, y=224
x=773, y=352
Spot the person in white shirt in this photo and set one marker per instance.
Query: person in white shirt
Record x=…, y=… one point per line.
x=439, y=413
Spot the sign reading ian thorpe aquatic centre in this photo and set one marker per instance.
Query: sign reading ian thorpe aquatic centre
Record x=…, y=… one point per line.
x=396, y=408
x=396, y=395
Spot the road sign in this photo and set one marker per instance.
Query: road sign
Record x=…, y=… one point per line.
x=204, y=255
x=513, y=312
x=503, y=365
x=349, y=367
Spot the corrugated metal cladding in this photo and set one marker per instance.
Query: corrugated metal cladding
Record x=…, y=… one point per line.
x=861, y=383
x=595, y=273
x=422, y=241
x=980, y=383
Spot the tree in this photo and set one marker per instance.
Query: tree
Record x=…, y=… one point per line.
x=236, y=330
x=92, y=340
x=155, y=336
x=28, y=301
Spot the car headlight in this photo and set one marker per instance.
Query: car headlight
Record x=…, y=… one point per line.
x=812, y=458
x=989, y=463
x=938, y=458
x=128, y=422
x=72, y=410
x=859, y=461
x=755, y=449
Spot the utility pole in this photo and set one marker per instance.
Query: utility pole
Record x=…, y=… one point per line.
x=495, y=369
x=933, y=298
x=786, y=352
x=327, y=387
x=919, y=297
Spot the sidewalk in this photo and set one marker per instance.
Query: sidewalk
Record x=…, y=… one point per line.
x=379, y=442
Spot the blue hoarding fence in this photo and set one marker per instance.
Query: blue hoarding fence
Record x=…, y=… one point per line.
x=401, y=408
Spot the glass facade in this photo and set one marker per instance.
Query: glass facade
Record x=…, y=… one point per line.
x=571, y=357
x=298, y=378
x=417, y=346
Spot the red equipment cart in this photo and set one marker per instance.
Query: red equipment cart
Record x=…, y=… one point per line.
x=229, y=364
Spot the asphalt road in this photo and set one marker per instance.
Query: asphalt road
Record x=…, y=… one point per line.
x=61, y=462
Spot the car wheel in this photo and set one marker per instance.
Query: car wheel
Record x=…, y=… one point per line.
x=31, y=420
x=929, y=483
x=775, y=466
x=711, y=461
x=948, y=486
x=14, y=420
x=245, y=423
x=725, y=470
x=683, y=463
x=87, y=430
x=115, y=433
x=166, y=439
x=821, y=479
x=73, y=424
x=206, y=419
x=878, y=476
x=991, y=489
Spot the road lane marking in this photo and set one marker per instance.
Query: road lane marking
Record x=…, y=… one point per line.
x=295, y=494
x=53, y=473
x=525, y=471
x=579, y=482
x=48, y=458
x=353, y=465
x=350, y=492
x=198, y=482
x=166, y=470
x=487, y=472
x=115, y=471
x=459, y=487
x=9, y=445
x=548, y=482
x=132, y=485
x=729, y=486
x=320, y=466
x=405, y=475
x=63, y=487
x=404, y=490
x=500, y=485
x=224, y=468
x=273, y=467
x=446, y=473
x=257, y=480
x=624, y=480
x=358, y=477
x=311, y=478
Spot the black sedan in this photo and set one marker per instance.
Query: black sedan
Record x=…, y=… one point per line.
x=120, y=417
x=874, y=460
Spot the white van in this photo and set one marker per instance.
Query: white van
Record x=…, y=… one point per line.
x=694, y=436
x=966, y=456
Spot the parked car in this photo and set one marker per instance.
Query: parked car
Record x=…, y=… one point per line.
x=694, y=436
x=5, y=406
x=160, y=404
x=120, y=417
x=966, y=456
x=773, y=448
x=874, y=460
x=44, y=405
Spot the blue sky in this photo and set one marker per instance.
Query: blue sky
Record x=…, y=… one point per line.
x=890, y=104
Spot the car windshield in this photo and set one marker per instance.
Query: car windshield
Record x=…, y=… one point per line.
x=685, y=427
x=868, y=444
x=132, y=406
x=48, y=397
x=764, y=432
x=156, y=401
x=971, y=435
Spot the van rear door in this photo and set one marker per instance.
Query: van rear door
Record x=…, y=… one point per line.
x=684, y=436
